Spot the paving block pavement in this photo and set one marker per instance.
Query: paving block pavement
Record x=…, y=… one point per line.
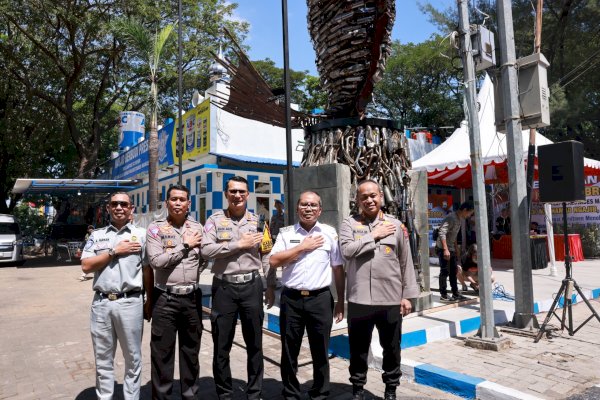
x=46, y=348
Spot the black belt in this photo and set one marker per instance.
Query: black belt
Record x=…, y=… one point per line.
x=304, y=293
x=118, y=295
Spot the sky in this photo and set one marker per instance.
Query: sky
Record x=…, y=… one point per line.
x=265, y=35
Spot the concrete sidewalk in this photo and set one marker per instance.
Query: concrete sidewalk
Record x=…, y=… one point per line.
x=433, y=341
x=46, y=349
x=434, y=352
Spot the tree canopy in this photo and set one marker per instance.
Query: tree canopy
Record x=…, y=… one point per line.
x=71, y=75
x=571, y=43
x=420, y=87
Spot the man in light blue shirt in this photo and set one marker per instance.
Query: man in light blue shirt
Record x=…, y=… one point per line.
x=115, y=254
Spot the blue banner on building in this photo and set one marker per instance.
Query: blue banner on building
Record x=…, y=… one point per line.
x=165, y=149
x=132, y=163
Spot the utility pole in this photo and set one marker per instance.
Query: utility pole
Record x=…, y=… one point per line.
x=288, y=115
x=519, y=212
x=531, y=151
x=179, y=97
x=486, y=329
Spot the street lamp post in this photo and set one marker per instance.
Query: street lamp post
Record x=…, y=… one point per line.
x=288, y=115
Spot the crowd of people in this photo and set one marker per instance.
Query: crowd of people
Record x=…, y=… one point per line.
x=154, y=274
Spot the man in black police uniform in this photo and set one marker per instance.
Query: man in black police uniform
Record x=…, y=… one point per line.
x=174, y=252
x=232, y=239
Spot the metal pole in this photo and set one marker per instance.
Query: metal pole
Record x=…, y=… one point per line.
x=179, y=98
x=288, y=115
x=486, y=330
x=519, y=212
x=531, y=150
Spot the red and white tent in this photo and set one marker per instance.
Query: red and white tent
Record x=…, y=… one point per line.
x=449, y=164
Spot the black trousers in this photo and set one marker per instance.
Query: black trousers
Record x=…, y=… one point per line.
x=315, y=314
x=231, y=301
x=175, y=317
x=361, y=321
x=447, y=270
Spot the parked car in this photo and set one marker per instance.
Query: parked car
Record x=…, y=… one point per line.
x=11, y=241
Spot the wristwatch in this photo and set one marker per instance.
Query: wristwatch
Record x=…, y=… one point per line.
x=111, y=253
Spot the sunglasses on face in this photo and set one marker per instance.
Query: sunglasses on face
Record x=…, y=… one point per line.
x=115, y=204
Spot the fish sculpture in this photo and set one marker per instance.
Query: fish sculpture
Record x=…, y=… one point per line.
x=352, y=41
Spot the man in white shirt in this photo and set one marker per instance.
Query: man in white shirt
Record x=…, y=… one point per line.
x=308, y=252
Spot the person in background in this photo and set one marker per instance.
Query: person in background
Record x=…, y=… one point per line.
x=84, y=276
x=534, y=228
x=468, y=272
x=116, y=256
x=277, y=221
x=380, y=281
x=174, y=254
x=447, y=249
x=503, y=222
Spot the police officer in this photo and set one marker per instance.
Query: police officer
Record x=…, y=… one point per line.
x=231, y=238
x=174, y=254
x=381, y=279
x=308, y=252
x=115, y=254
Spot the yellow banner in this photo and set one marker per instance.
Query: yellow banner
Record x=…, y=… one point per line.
x=196, y=132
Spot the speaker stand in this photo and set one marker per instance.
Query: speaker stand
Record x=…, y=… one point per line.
x=566, y=290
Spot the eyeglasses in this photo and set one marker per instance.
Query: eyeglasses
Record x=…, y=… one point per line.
x=236, y=191
x=313, y=206
x=115, y=204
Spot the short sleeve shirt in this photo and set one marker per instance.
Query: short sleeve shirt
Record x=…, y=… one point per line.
x=124, y=273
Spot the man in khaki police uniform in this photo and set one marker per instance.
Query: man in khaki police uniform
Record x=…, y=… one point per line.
x=309, y=254
x=232, y=239
x=380, y=280
x=115, y=254
x=174, y=254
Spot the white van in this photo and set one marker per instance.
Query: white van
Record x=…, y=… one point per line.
x=11, y=242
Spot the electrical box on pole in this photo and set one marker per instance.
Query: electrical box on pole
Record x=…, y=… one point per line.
x=484, y=49
x=534, y=94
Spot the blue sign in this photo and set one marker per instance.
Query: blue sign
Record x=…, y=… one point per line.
x=132, y=163
x=165, y=145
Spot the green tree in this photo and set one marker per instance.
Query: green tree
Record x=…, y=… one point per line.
x=419, y=87
x=570, y=42
x=64, y=54
x=305, y=89
x=149, y=45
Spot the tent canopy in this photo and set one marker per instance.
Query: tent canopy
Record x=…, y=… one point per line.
x=450, y=163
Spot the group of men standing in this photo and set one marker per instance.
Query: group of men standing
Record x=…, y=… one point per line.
x=167, y=259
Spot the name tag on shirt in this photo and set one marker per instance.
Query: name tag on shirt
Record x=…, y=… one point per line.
x=295, y=241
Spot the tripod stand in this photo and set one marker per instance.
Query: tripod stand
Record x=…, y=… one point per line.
x=566, y=290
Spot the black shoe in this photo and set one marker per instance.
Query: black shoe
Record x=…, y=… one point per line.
x=444, y=297
x=458, y=297
x=390, y=393
x=358, y=394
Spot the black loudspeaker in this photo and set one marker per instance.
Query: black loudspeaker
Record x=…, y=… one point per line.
x=560, y=168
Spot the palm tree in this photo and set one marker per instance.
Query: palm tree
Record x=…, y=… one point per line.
x=148, y=46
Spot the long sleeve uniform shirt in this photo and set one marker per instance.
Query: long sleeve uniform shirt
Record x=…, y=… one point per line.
x=171, y=262
x=220, y=242
x=379, y=272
